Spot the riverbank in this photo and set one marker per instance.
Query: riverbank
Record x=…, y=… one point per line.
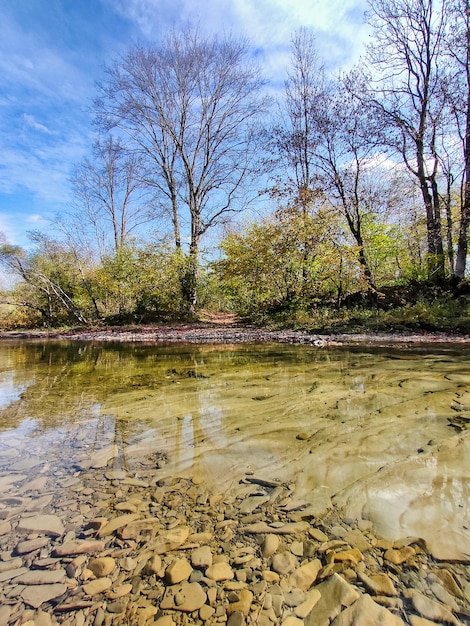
x=203, y=332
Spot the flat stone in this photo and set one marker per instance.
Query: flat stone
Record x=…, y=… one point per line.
x=292, y=621
x=243, y=604
x=270, y=545
x=102, y=566
x=206, y=612
x=354, y=556
x=311, y=599
x=336, y=594
x=434, y=611
x=97, y=586
x=317, y=534
x=399, y=556
x=24, y=547
x=380, y=584
x=170, y=540
x=153, y=565
x=186, y=597
x=119, y=591
x=35, y=595
x=12, y=573
x=5, y=528
x=286, y=529
x=236, y=619
x=284, y=562
x=201, y=558
x=220, y=571
x=366, y=612
x=177, y=571
x=357, y=540
x=10, y=565
x=415, y=620
x=71, y=548
x=41, y=577
x=165, y=620
x=305, y=575
x=117, y=522
x=50, y=525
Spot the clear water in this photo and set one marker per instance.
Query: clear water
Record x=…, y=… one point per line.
x=381, y=433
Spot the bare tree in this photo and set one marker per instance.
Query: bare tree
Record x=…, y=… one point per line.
x=458, y=100
x=405, y=62
x=189, y=105
x=109, y=195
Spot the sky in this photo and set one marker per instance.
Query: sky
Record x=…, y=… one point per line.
x=52, y=52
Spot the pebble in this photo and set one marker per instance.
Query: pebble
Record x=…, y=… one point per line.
x=102, y=566
x=125, y=549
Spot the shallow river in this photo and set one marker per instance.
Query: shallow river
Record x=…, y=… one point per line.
x=381, y=433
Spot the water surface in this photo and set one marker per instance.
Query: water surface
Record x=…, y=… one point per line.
x=382, y=433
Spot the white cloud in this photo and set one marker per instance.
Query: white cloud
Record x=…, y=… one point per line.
x=269, y=24
x=31, y=121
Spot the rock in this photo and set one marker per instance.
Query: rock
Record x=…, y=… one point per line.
x=120, y=591
x=153, y=565
x=187, y=597
x=292, y=621
x=305, y=575
x=171, y=539
x=243, y=604
x=295, y=597
x=236, y=619
x=357, y=540
x=97, y=586
x=286, y=529
x=366, y=612
x=432, y=610
x=354, y=556
x=336, y=594
x=447, y=579
x=70, y=548
x=102, y=566
x=50, y=525
x=166, y=620
x=206, y=612
x=311, y=599
x=220, y=571
x=420, y=621
x=270, y=545
x=24, y=547
x=117, y=522
x=35, y=595
x=12, y=573
x=10, y=565
x=399, y=556
x=41, y=577
x=380, y=584
x=5, y=528
x=317, y=534
x=284, y=562
x=177, y=571
x=201, y=558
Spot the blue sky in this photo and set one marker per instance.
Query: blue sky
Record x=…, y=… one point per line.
x=53, y=51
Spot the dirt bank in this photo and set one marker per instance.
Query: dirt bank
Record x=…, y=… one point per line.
x=203, y=332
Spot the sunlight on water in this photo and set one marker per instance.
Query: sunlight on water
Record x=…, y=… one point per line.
x=381, y=433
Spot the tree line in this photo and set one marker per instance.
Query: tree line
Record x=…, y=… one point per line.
x=334, y=185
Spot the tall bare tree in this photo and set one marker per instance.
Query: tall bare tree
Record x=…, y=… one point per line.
x=458, y=100
x=190, y=106
x=109, y=195
x=404, y=57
